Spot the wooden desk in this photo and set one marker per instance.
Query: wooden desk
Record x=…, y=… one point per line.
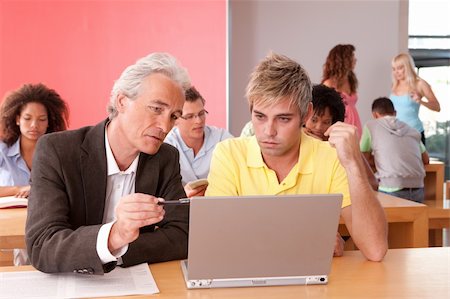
x=408, y=222
x=438, y=219
x=404, y=273
x=434, y=182
x=12, y=231
x=12, y=228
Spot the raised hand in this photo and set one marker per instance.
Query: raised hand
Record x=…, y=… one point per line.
x=344, y=138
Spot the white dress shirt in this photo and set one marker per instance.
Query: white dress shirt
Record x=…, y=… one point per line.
x=118, y=184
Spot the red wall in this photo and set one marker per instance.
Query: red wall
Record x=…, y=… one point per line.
x=80, y=47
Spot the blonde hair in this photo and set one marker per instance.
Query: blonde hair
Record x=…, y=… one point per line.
x=276, y=78
x=407, y=62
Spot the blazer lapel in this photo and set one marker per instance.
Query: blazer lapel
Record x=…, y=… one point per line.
x=93, y=172
x=147, y=175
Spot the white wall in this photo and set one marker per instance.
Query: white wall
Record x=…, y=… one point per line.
x=306, y=31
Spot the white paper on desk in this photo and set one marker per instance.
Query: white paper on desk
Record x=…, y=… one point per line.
x=134, y=280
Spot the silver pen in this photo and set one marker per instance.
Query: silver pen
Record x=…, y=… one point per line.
x=181, y=201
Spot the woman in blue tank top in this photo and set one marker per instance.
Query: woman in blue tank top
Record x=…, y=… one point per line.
x=409, y=91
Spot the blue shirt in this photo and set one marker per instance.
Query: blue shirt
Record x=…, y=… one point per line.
x=194, y=168
x=407, y=110
x=13, y=169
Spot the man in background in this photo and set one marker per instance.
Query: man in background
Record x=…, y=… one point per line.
x=195, y=141
x=399, y=155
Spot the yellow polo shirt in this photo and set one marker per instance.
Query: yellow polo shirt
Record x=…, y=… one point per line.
x=237, y=168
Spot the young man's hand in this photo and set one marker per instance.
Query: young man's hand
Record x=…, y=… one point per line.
x=344, y=138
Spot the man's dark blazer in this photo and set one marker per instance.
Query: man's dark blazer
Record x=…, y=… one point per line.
x=67, y=201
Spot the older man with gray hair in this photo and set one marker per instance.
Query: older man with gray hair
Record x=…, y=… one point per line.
x=95, y=192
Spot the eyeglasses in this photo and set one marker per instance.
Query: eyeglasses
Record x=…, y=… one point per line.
x=201, y=115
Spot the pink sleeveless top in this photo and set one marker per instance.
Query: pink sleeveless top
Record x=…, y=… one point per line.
x=351, y=113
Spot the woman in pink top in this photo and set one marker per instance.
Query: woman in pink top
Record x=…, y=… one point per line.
x=338, y=74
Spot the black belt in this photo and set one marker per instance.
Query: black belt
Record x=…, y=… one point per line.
x=409, y=189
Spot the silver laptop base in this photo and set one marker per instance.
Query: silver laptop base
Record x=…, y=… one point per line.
x=250, y=282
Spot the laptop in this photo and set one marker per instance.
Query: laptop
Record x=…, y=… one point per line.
x=261, y=240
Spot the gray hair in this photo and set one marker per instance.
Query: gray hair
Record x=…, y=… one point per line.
x=129, y=82
x=276, y=78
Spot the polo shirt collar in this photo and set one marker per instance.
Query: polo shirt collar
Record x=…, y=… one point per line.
x=254, y=156
x=208, y=141
x=306, y=159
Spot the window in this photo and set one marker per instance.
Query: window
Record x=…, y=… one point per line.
x=429, y=45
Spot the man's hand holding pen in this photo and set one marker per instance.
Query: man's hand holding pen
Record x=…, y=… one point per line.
x=133, y=212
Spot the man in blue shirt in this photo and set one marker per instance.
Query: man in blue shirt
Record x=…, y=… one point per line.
x=195, y=141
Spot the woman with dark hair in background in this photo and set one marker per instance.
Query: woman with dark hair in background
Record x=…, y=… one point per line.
x=338, y=74
x=328, y=109
x=26, y=114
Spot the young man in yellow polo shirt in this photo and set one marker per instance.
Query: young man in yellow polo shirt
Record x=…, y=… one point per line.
x=282, y=159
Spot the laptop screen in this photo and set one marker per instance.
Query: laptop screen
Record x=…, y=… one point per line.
x=262, y=236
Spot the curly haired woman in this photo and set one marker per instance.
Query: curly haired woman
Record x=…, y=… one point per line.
x=338, y=74
x=26, y=114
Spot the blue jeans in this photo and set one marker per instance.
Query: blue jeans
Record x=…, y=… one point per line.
x=414, y=194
